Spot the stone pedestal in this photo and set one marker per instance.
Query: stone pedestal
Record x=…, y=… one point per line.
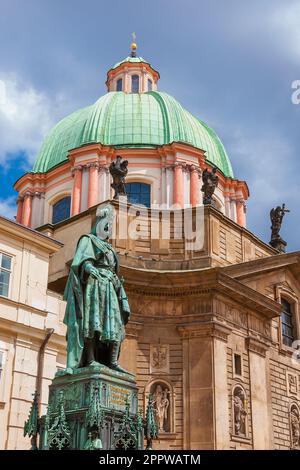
x=107, y=395
x=279, y=244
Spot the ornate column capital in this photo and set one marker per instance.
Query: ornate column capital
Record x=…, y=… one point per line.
x=76, y=168
x=39, y=194
x=170, y=167
x=194, y=168
x=103, y=169
x=92, y=165
x=185, y=167
x=241, y=202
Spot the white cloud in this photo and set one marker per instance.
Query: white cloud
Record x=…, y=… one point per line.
x=285, y=21
x=26, y=115
x=8, y=207
x=266, y=163
x=262, y=159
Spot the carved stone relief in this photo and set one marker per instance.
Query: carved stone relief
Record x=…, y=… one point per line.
x=159, y=358
x=292, y=384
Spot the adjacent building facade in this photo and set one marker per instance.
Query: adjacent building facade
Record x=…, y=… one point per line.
x=32, y=336
x=214, y=326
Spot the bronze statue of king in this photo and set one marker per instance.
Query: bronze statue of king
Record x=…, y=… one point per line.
x=97, y=306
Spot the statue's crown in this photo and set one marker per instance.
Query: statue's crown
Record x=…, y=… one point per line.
x=106, y=212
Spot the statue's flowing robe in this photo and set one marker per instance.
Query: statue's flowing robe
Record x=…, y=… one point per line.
x=94, y=305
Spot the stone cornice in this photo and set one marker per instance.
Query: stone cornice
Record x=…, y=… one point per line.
x=171, y=293
x=187, y=167
x=133, y=328
x=257, y=267
x=248, y=296
x=257, y=346
x=29, y=331
x=21, y=305
x=200, y=282
x=204, y=329
x=29, y=235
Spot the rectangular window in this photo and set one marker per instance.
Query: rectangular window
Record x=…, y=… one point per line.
x=287, y=325
x=135, y=86
x=237, y=360
x=5, y=274
x=119, y=84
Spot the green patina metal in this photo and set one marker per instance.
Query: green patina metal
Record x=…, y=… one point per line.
x=97, y=306
x=95, y=419
x=31, y=426
x=126, y=437
x=93, y=408
x=95, y=414
x=133, y=60
x=151, y=427
x=125, y=120
x=59, y=435
x=93, y=403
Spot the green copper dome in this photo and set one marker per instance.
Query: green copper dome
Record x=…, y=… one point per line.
x=145, y=120
x=131, y=59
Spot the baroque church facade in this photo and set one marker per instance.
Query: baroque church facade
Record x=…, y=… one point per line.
x=214, y=326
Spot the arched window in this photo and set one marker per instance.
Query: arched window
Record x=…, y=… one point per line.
x=138, y=193
x=135, y=83
x=149, y=84
x=119, y=84
x=61, y=210
x=287, y=324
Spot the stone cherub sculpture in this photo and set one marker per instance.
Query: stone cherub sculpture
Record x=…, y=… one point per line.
x=276, y=216
x=97, y=306
x=118, y=170
x=210, y=182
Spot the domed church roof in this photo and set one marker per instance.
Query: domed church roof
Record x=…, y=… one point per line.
x=139, y=120
x=132, y=60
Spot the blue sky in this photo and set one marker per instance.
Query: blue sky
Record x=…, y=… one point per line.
x=230, y=62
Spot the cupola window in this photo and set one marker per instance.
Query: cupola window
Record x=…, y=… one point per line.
x=119, y=84
x=149, y=84
x=138, y=193
x=61, y=210
x=135, y=83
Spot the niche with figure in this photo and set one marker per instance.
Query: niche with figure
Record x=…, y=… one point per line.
x=162, y=394
x=295, y=426
x=239, y=412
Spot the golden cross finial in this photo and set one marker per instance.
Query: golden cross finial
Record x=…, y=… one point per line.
x=133, y=45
